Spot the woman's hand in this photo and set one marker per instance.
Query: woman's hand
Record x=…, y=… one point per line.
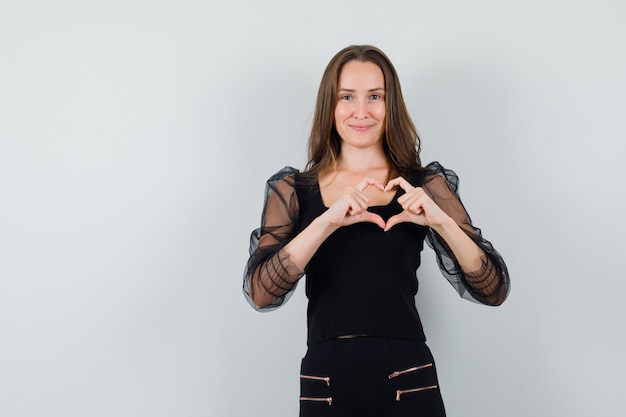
x=417, y=206
x=352, y=206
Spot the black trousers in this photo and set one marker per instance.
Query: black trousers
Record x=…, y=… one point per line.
x=369, y=377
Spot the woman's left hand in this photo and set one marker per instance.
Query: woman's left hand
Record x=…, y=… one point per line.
x=418, y=207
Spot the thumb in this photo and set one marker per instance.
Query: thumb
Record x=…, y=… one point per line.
x=398, y=218
x=368, y=216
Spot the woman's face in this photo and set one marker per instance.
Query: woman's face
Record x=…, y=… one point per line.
x=360, y=110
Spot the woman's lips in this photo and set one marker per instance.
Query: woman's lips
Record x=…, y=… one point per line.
x=360, y=128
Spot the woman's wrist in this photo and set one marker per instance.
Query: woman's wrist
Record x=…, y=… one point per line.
x=325, y=226
x=446, y=228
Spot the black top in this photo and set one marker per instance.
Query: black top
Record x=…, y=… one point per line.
x=362, y=280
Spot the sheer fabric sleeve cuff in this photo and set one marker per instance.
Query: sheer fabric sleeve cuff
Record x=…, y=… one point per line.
x=270, y=274
x=490, y=284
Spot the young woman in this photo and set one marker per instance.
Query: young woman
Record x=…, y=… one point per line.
x=355, y=222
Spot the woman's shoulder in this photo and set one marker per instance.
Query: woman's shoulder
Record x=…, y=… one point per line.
x=287, y=172
x=282, y=182
x=434, y=171
x=287, y=176
x=291, y=180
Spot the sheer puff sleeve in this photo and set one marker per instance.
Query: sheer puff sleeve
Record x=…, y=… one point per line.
x=269, y=272
x=491, y=283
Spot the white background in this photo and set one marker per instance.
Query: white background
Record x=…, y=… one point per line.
x=135, y=141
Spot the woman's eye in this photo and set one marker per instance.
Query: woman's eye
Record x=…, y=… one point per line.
x=375, y=97
x=346, y=97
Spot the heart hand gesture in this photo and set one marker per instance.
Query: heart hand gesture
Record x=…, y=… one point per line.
x=417, y=206
x=352, y=206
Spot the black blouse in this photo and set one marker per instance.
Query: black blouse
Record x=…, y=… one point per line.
x=362, y=280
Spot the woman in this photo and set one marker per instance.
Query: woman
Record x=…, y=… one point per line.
x=354, y=222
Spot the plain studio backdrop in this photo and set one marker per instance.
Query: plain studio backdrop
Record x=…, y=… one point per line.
x=135, y=141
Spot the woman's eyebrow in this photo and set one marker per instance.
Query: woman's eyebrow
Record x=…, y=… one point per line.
x=349, y=90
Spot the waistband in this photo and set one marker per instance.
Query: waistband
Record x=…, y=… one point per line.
x=365, y=349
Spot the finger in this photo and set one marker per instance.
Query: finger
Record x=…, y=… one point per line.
x=399, y=181
x=368, y=216
x=407, y=200
x=411, y=202
x=404, y=199
x=398, y=218
x=417, y=196
x=357, y=202
x=356, y=191
x=366, y=182
x=416, y=207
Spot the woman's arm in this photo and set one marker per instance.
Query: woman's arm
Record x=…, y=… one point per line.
x=466, y=259
x=278, y=253
x=270, y=274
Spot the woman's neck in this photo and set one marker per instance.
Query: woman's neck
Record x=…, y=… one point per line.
x=356, y=160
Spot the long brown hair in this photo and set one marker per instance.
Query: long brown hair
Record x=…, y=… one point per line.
x=401, y=142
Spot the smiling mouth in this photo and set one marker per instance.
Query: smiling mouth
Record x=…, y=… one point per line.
x=360, y=128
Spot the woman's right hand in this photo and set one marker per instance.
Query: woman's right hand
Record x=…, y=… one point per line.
x=352, y=206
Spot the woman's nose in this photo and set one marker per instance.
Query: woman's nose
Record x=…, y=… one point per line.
x=360, y=111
